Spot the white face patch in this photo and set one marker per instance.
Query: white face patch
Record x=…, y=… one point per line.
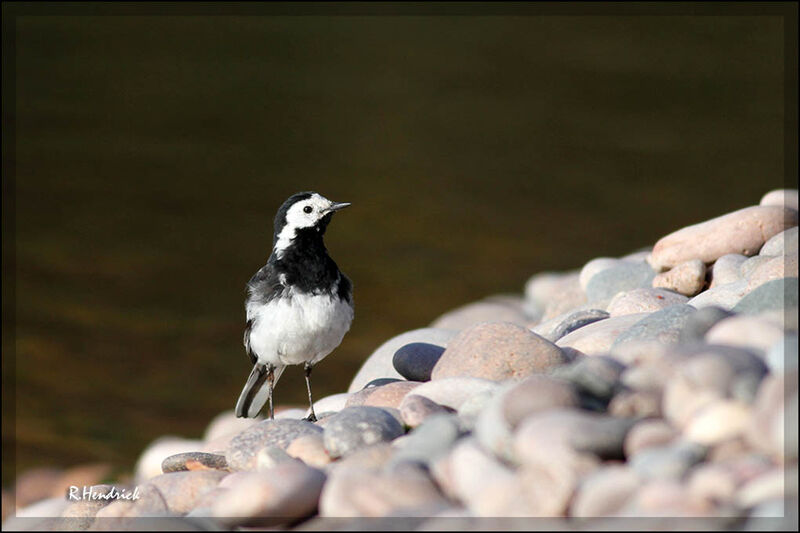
x=303, y=214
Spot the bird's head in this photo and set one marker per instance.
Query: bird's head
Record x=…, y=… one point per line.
x=303, y=211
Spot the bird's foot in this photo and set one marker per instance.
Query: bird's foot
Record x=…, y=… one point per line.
x=311, y=418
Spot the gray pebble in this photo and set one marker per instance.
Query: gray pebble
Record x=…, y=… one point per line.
x=670, y=462
x=783, y=354
x=244, y=447
x=784, y=243
x=380, y=382
x=574, y=321
x=429, y=441
x=357, y=427
x=662, y=326
x=597, y=376
x=624, y=277
x=700, y=322
x=415, y=361
x=776, y=294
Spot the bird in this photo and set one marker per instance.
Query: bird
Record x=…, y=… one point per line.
x=298, y=306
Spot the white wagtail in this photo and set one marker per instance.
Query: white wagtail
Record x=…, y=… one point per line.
x=299, y=305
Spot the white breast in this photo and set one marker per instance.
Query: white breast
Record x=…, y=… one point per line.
x=297, y=328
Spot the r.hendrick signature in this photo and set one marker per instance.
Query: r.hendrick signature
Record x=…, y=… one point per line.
x=90, y=493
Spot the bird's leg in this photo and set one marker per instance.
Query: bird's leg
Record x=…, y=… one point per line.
x=307, y=369
x=271, y=382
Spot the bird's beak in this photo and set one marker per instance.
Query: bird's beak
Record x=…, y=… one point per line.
x=336, y=206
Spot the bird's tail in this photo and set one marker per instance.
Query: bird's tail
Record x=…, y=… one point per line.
x=256, y=391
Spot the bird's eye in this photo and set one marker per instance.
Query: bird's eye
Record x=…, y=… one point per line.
x=307, y=209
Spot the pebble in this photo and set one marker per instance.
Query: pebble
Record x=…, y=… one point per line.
x=744, y=232
x=635, y=404
x=719, y=421
x=243, y=449
x=782, y=356
x=497, y=351
x=624, y=277
x=286, y=492
x=604, y=492
x=752, y=264
x=727, y=269
x=687, y=278
x=745, y=331
x=452, y=392
x=270, y=456
x=701, y=322
x=483, y=311
x=182, y=490
x=598, y=337
x=415, y=409
x=367, y=493
x=430, y=441
x=149, y=464
x=389, y=395
x=35, y=484
x=662, y=326
x=769, y=486
x=645, y=300
x=774, y=268
x=310, y=449
x=596, y=266
x=554, y=293
x=781, y=197
x=777, y=294
x=724, y=296
x=784, y=243
x=767, y=432
x=379, y=363
x=357, y=427
x=227, y=423
x=193, y=461
x=492, y=430
x=671, y=462
x=331, y=404
x=597, y=376
x=648, y=433
x=707, y=373
x=537, y=393
x=150, y=503
x=415, y=361
x=561, y=325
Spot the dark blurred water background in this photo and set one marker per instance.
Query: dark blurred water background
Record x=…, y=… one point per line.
x=153, y=151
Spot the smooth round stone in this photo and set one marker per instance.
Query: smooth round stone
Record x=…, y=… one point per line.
x=243, y=449
x=379, y=363
x=767, y=432
x=596, y=266
x=662, y=326
x=150, y=503
x=784, y=266
x=776, y=294
x=357, y=427
x=227, y=423
x=782, y=356
x=562, y=325
x=537, y=393
x=310, y=449
x=643, y=301
x=727, y=269
x=331, y=404
x=149, y=464
x=708, y=373
x=781, y=197
x=744, y=232
x=752, y=264
x=688, y=278
x=354, y=493
x=719, y=481
x=724, y=296
x=624, y=277
x=667, y=462
x=415, y=361
x=492, y=430
x=270, y=456
x=719, y=421
x=575, y=430
x=648, y=433
x=182, y=490
x=598, y=337
x=701, y=322
x=570, y=298
x=497, y=351
x=635, y=404
x=784, y=243
x=745, y=331
x=35, y=484
x=469, y=411
x=483, y=311
x=547, y=288
x=193, y=461
x=595, y=376
x=604, y=491
x=769, y=486
x=389, y=395
x=285, y=493
x=430, y=440
x=452, y=392
x=415, y=409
